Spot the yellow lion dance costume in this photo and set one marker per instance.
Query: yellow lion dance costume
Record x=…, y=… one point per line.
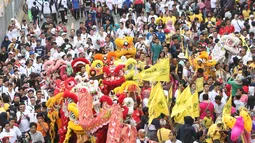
x=205, y=62
x=73, y=125
x=125, y=47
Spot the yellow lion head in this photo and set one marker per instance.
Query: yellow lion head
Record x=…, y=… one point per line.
x=125, y=47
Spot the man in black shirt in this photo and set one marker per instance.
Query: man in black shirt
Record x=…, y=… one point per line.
x=3, y=54
x=153, y=24
x=108, y=16
x=130, y=21
x=46, y=25
x=40, y=50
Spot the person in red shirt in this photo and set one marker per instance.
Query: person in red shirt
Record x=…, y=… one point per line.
x=61, y=27
x=136, y=115
x=145, y=92
x=226, y=28
x=229, y=28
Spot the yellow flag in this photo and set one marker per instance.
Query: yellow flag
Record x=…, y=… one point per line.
x=193, y=105
x=187, y=53
x=227, y=107
x=158, y=72
x=180, y=106
x=151, y=94
x=158, y=104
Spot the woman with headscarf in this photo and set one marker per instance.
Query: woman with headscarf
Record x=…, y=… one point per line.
x=6, y=42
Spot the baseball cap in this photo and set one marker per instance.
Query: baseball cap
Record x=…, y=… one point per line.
x=31, y=52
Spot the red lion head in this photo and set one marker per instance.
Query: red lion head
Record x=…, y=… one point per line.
x=113, y=76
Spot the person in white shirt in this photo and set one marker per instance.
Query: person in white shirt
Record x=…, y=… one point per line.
x=123, y=19
x=29, y=67
x=63, y=2
x=172, y=138
x=23, y=118
x=11, y=134
x=119, y=4
x=78, y=41
x=12, y=32
x=237, y=102
x=130, y=12
x=238, y=24
x=140, y=45
x=58, y=53
x=10, y=91
x=217, y=92
x=38, y=65
x=36, y=136
x=109, y=4
x=213, y=4
x=29, y=4
x=31, y=105
x=14, y=128
x=218, y=106
x=59, y=39
x=152, y=15
x=108, y=44
x=187, y=72
x=121, y=31
x=141, y=20
x=206, y=91
x=251, y=19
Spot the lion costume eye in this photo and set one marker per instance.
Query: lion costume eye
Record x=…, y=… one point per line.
x=129, y=67
x=98, y=66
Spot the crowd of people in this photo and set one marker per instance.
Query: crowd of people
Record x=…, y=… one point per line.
x=175, y=29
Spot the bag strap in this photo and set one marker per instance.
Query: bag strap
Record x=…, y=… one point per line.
x=207, y=106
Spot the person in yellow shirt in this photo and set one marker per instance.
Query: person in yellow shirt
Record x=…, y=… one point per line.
x=210, y=18
x=161, y=17
x=163, y=133
x=199, y=16
x=207, y=121
x=246, y=12
x=170, y=17
x=198, y=78
x=217, y=132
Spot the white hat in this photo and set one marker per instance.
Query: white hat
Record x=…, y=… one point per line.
x=181, y=56
x=94, y=26
x=251, y=16
x=130, y=9
x=63, y=34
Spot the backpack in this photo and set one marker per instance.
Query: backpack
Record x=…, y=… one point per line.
x=35, y=10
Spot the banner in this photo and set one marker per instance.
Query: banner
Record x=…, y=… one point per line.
x=193, y=106
x=181, y=99
x=158, y=72
x=186, y=105
x=158, y=103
